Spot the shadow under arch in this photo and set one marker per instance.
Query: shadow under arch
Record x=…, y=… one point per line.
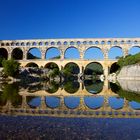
x=34, y=53
x=51, y=65
x=3, y=53
x=114, y=68
x=32, y=64
x=72, y=67
x=52, y=53
x=93, y=52
x=93, y=68
x=71, y=102
x=17, y=54
x=115, y=52
x=92, y=74
x=72, y=53
x=134, y=50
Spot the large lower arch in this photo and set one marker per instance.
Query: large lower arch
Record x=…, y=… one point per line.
x=93, y=53
x=71, y=53
x=115, y=52
x=51, y=66
x=32, y=64
x=17, y=54
x=52, y=53
x=3, y=53
x=34, y=53
x=93, y=68
x=133, y=50
x=72, y=67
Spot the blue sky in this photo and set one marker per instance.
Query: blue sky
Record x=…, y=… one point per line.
x=30, y=19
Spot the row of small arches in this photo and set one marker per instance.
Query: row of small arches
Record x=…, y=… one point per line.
x=42, y=43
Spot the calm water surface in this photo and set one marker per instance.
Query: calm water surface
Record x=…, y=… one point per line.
x=89, y=110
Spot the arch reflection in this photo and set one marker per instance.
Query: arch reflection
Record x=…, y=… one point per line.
x=33, y=101
x=72, y=102
x=52, y=102
x=94, y=102
x=116, y=103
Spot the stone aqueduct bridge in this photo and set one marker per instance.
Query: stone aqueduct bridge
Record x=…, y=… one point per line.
x=104, y=44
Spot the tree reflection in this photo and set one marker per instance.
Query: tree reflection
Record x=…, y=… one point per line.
x=71, y=87
x=10, y=93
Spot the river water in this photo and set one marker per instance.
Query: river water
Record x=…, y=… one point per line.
x=71, y=110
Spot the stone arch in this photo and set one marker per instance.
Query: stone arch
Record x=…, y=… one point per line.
x=52, y=53
x=78, y=42
x=28, y=43
x=7, y=44
x=3, y=53
x=72, y=53
x=34, y=53
x=94, y=68
x=34, y=44
x=134, y=49
x=2, y=44
x=92, y=80
x=65, y=43
x=72, y=102
x=52, y=43
x=51, y=65
x=40, y=43
x=59, y=43
x=74, y=68
x=32, y=64
x=93, y=52
x=115, y=52
x=17, y=54
x=22, y=44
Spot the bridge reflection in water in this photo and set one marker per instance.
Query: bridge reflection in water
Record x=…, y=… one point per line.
x=107, y=103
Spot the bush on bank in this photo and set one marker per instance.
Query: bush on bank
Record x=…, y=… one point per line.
x=129, y=60
x=10, y=67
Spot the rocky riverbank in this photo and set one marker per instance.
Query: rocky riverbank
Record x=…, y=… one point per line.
x=130, y=72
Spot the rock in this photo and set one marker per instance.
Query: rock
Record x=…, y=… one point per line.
x=130, y=72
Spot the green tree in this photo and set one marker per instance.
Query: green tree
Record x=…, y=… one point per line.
x=11, y=67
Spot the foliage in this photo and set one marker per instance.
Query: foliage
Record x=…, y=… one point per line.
x=54, y=72
x=129, y=60
x=53, y=87
x=130, y=96
x=10, y=92
x=11, y=67
x=71, y=87
x=93, y=68
x=1, y=59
